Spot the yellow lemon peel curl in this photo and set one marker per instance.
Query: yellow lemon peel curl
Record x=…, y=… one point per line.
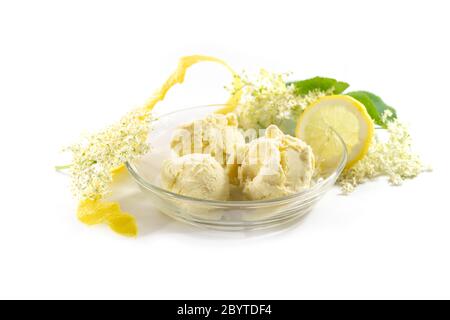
x=93, y=212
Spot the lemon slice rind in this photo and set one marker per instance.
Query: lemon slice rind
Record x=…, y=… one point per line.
x=346, y=116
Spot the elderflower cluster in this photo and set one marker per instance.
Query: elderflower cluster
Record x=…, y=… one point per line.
x=98, y=155
x=392, y=158
x=267, y=100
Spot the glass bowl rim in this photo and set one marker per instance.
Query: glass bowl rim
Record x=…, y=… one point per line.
x=236, y=203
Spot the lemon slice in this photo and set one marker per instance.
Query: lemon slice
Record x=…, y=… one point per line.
x=346, y=116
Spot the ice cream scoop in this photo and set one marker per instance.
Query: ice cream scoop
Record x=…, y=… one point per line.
x=217, y=135
x=197, y=176
x=275, y=165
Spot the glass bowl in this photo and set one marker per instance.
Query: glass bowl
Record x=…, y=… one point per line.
x=222, y=215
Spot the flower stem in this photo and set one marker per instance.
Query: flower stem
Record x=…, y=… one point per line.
x=62, y=168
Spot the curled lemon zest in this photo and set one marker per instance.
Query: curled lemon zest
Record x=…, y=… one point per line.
x=92, y=212
x=118, y=170
x=179, y=74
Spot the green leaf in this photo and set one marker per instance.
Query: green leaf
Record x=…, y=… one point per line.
x=375, y=106
x=319, y=83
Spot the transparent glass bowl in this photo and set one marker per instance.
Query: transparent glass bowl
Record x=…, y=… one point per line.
x=223, y=215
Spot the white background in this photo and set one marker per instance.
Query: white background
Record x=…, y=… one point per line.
x=70, y=66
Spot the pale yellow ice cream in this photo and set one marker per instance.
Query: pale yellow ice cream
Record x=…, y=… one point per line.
x=217, y=135
x=276, y=165
x=196, y=175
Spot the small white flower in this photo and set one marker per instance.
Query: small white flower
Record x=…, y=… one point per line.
x=392, y=158
x=268, y=100
x=97, y=155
